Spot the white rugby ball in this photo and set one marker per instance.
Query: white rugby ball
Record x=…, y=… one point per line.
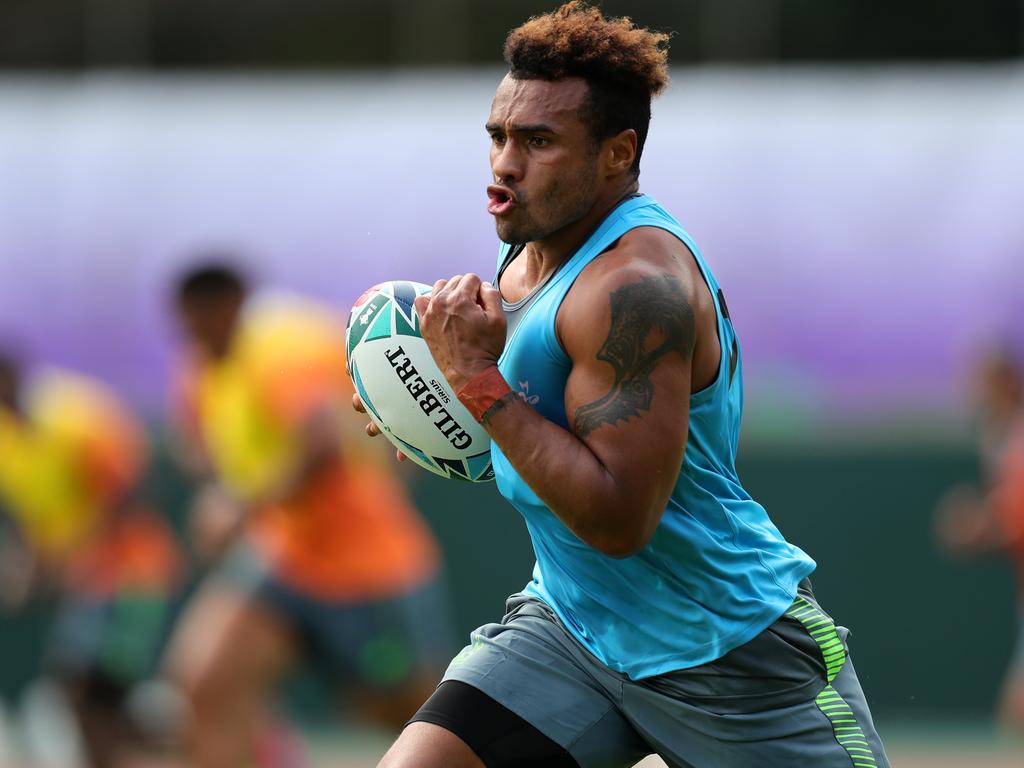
x=404, y=391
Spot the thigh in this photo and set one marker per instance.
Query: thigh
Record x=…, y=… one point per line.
x=227, y=642
x=530, y=665
x=496, y=736
x=426, y=745
x=765, y=704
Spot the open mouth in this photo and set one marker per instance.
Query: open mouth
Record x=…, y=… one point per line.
x=500, y=200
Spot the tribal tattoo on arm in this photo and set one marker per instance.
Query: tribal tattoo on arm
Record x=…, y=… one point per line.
x=650, y=319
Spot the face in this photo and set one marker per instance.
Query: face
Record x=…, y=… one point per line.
x=544, y=160
x=210, y=322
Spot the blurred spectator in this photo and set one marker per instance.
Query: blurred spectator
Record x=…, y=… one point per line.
x=319, y=556
x=71, y=460
x=972, y=521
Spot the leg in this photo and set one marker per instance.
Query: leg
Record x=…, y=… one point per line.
x=392, y=653
x=788, y=697
x=425, y=745
x=226, y=655
x=463, y=727
x=523, y=693
x=1011, y=702
x=392, y=709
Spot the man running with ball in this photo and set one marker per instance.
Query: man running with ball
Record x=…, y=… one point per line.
x=666, y=612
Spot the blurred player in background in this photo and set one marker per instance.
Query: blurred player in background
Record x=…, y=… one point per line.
x=71, y=460
x=322, y=556
x=666, y=612
x=973, y=521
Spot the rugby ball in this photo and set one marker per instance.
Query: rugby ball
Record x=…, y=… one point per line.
x=404, y=391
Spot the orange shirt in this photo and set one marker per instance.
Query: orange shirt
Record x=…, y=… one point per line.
x=349, y=532
x=66, y=465
x=137, y=553
x=66, y=460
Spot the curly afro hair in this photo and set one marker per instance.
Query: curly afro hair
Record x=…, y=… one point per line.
x=624, y=65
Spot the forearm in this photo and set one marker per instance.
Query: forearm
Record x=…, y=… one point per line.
x=569, y=478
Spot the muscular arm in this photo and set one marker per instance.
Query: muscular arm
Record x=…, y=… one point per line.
x=609, y=478
x=629, y=330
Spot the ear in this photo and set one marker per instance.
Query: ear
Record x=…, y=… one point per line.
x=620, y=152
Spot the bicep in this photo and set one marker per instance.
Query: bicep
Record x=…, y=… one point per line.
x=627, y=397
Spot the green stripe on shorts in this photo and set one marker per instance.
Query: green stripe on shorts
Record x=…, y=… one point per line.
x=847, y=730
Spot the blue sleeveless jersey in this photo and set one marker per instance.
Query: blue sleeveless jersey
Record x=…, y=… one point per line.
x=716, y=572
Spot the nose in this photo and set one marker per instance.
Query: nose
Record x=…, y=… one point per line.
x=506, y=162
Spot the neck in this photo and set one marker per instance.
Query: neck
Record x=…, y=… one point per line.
x=544, y=256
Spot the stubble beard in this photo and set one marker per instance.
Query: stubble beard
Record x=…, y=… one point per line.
x=565, y=202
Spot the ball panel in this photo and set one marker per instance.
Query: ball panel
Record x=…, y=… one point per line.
x=411, y=401
x=415, y=453
x=381, y=328
x=480, y=466
x=405, y=293
x=358, y=381
x=360, y=319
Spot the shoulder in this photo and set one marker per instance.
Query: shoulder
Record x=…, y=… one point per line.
x=647, y=277
x=651, y=256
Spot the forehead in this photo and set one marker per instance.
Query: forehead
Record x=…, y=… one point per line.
x=537, y=102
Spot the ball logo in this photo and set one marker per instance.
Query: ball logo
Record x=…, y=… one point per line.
x=428, y=402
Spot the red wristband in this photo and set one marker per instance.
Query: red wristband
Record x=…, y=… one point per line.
x=482, y=391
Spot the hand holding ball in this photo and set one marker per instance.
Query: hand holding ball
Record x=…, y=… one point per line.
x=404, y=391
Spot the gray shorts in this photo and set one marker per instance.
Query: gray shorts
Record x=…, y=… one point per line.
x=789, y=697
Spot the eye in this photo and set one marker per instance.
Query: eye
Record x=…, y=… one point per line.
x=539, y=141
x=498, y=139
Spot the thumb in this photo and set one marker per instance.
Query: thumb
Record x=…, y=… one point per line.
x=490, y=299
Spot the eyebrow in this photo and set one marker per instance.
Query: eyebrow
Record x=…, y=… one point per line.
x=539, y=128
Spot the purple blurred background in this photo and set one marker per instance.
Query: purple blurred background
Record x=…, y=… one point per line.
x=866, y=224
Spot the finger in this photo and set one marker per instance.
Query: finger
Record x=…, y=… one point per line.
x=490, y=299
x=401, y=456
x=420, y=304
x=438, y=287
x=372, y=429
x=451, y=285
x=357, y=403
x=469, y=289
